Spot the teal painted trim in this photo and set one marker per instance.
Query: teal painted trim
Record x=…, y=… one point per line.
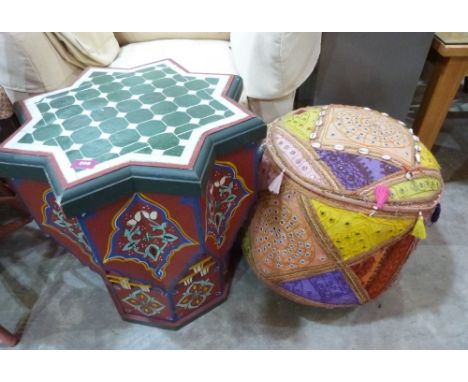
x=235, y=90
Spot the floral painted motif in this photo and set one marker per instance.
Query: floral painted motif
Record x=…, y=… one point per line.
x=145, y=233
x=226, y=191
x=196, y=294
x=144, y=303
x=53, y=217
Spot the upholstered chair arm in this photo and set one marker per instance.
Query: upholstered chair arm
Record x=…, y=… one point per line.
x=29, y=64
x=274, y=64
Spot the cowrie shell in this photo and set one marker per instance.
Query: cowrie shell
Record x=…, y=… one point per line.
x=364, y=150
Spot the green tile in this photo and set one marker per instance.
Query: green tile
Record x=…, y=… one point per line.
x=154, y=75
x=218, y=105
x=83, y=85
x=84, y=95
x=43, y=106
x=164, y=107
x=103, y=114
x=184, y=128
x=132, y=81
x=129, y=105
x=197, y=85
x=187, y=101
x=186, y=135
x=74, y=154
x=164, y=83
x=151, y=128
x=49, y=117
x=40, y=124
x=51, y=142
x=77, y=122
x=205, y=94
x=200, y=111
x=146, y=150
x=169, y=71
x=112, y=125
x=64, y=142
x=28, y=138
x=118, y=96
x=228, y=113
x=212, y=80
x=95, y=103
x=176, y=119
x=95, y=149
x=97, y=74
x=48, y=132
x=138, y=116
x=86, y=84
x=179, y=78
x=111, y=87
x=69, y=112
x=124, y=138
x=213, y=118
x=163, y=141
x=106, y=157
x=175, y=151
x=85, y=134
x=57, y=95
x=175, y=91
x=62, y=102
x=133, y=147
x=104, y=79
x=141, y=89
x=124, y=75
x=151, y=98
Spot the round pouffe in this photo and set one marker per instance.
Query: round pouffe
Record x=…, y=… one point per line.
x=348, y=193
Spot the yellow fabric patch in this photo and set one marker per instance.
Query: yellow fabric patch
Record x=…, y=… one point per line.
x=301, y=125
x=418, y=188
x=354, y=233
x=427, y=159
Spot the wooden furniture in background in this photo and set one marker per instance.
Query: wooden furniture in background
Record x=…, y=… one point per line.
x=450, y=57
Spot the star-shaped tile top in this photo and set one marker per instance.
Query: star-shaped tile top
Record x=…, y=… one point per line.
x=154, y=115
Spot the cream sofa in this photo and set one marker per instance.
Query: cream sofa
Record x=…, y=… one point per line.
x=272, y=65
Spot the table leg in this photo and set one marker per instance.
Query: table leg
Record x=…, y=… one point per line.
x=441, y=90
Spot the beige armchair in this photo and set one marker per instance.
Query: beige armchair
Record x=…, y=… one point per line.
x=272, y=65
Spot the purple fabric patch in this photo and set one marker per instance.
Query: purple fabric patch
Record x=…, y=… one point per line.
x=355, y=171
x=327, y=288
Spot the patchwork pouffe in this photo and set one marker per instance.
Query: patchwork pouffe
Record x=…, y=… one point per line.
x=145, y=175
x=349, y=193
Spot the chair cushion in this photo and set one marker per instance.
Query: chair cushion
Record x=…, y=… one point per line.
x=132, y=37
x=195, y=55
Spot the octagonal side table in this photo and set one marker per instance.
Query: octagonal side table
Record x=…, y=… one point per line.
x=145, y=175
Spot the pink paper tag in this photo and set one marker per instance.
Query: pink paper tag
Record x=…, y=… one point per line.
x=83, y=163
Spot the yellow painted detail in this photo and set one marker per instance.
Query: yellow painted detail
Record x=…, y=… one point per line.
x=427, y=159
x=417, y=188
x=354, y=233
x=301, y=125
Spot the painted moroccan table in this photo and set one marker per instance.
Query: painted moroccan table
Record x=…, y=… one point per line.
x=350, y=191
x=145, y=175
